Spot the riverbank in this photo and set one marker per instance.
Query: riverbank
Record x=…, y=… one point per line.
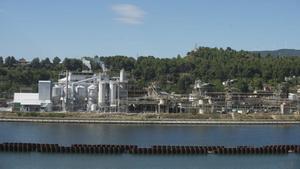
x=152, y=118
x=176, y=122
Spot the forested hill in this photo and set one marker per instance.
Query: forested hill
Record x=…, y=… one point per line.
x=177, y=74
x=280, y=52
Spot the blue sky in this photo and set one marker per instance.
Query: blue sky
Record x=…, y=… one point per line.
x=163, y=28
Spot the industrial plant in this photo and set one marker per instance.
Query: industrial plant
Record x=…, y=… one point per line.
x=99, y=92
x=82, y=91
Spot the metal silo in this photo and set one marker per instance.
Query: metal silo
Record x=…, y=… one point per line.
x=103, y=93
x=44, y=90
x=56, y=91
x=122, y=75
x=92, y=97
x=92, y=93
x=113, y=86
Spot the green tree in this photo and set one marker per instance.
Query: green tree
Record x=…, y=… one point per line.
x=184, y=83
x=73, y=64
x=256, y=83
x=10, y=61
x=35, y=63
x=56, y=61
x=242, y=85
x=1, y=60
x=46, y=63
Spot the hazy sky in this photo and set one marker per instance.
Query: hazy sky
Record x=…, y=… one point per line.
x=164, y=28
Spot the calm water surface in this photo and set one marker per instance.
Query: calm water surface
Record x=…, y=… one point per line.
x=146, y=135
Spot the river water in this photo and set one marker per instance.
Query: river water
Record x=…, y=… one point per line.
x=147, y=135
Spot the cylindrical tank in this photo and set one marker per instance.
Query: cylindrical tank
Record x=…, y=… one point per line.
x=80, y=91
x=92, y=93
x=113, y=86
x=103, y=92
x=161, y=101
x=122, y=75
x=57, y=91
x=201, y=102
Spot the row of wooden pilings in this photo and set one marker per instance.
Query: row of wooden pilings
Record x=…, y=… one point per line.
x=156, y=149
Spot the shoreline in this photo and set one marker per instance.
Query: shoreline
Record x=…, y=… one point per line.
x=172, y=122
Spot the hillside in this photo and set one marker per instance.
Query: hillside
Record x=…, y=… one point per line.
x=280, y=52
x=212, y=65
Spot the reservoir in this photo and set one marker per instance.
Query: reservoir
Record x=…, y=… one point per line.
x=147, y=135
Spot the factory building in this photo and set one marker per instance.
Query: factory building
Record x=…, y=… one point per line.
x=77, y=91
x=28, y=102
x=90, y=92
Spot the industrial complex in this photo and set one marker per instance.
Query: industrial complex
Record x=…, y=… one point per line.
x=82, y=91
x=90, y=92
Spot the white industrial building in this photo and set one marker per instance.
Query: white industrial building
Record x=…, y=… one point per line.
x=85, y=91
x=80, y=91
x=40, y=101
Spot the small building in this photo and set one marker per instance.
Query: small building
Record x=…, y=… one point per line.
x=34, y=102
x=23, y=61
x=28, y=102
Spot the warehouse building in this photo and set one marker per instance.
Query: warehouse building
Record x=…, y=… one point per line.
x=33, y=102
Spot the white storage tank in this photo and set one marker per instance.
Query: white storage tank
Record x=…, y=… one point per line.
x=92, y=90
x=122, y=75
x=44, y=90
x=113, y=86
x=103, y=92
x=92, y=93
x=161, y=101
x=57, y=91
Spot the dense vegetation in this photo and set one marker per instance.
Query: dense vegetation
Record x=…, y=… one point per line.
x=176, y=74
x=280, y=52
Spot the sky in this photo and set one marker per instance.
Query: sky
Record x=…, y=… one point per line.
x=161, y=28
